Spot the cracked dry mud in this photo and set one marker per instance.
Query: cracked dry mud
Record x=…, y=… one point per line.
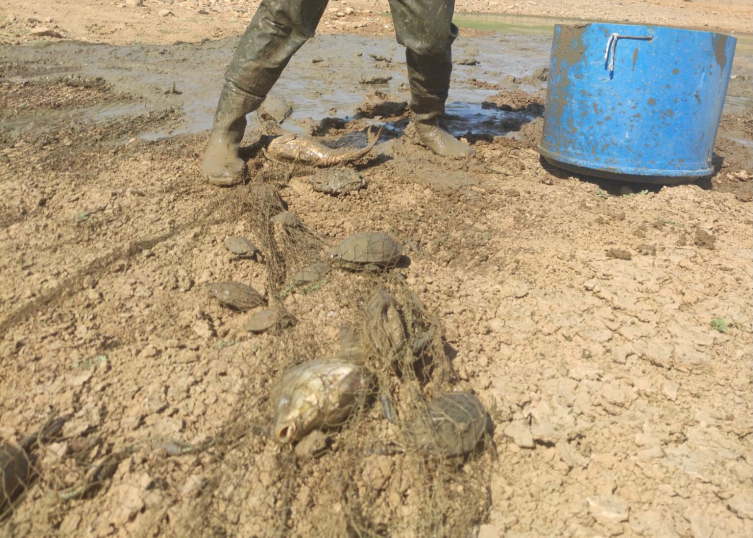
x=618, y=408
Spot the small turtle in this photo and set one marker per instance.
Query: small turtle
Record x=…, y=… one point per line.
x=380, y=58
x=366, y=251
x=336, y=181
x=287, y=219
x=467, y=59
x=15, y=464
x=243, y=248
x=311, y=273
x=236, y=295
x=351, y=344
x=383, y=327
x=450, y=425
x=269, y=318
x=16, y=473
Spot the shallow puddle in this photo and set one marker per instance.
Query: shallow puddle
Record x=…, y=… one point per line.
x=190, y=77
x=321, y=81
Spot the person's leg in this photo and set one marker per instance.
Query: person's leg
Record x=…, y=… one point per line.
x=425, y=28
x=276, y=32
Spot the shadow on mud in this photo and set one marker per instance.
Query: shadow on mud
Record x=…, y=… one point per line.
x=615, y=187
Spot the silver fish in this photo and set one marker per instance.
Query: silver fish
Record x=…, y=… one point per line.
x=318, y=394
x=291, y=147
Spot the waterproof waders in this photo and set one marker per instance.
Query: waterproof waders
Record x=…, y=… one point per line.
x=280, y=27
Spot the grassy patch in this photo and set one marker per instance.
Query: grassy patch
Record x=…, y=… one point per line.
x=92, y=362
x=660, y=222
x=632, y=194
x=222, y=344
x=304, y=289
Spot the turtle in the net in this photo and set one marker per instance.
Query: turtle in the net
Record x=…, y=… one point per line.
x=366, y=251
x=450, y=425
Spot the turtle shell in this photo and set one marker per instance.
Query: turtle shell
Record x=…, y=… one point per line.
x=240, y=246
x=236, y=295
x=15, y=470
x=311, y=273
x=287, y=219
x=366, y=248
x=383, y=325
x=336, y=181
x=450, y=425
x=269, y=318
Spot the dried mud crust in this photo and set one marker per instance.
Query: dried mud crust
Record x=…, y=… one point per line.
x=619, y=408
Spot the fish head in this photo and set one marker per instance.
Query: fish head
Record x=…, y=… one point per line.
x=293, y=414
x=282, y=141
x=318, y=394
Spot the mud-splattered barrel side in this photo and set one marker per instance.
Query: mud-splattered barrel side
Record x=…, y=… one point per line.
x=635, y=100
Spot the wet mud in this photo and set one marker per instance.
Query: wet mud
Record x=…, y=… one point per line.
x=190, y=77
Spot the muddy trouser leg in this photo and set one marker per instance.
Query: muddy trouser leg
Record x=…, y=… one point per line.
x=425, y=28
x=279, y=28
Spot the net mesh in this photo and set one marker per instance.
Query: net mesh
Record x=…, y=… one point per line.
x=359, y=472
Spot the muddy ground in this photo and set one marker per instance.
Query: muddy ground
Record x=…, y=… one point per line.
x=167, y=21
x=618, y=408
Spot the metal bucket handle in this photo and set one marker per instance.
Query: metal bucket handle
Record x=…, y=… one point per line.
x=612, y=47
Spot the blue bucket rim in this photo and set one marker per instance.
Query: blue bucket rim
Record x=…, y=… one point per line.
x=646, y=26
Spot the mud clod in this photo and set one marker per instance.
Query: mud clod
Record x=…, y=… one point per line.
x=704, y=239
x=619, y=254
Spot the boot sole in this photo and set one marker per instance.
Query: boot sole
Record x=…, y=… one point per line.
x=225, y=181
x=422, y=144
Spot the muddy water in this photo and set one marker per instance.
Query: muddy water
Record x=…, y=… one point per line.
x=188, y=78
x=510, y=24
x=330, y=87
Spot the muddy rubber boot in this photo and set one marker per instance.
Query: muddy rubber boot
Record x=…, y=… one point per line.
x=222, y=165
x=432, y=136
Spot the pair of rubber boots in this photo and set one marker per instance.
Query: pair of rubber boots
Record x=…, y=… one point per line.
x=223, y=166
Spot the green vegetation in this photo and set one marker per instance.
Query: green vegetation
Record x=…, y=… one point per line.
x=643, y=192
x=660, y=222
x=222, y=344
x=90, y=363
x=305, y=289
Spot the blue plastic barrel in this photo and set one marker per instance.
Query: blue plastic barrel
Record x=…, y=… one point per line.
x=639, y=103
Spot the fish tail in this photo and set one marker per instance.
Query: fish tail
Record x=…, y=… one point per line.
x=351, y=156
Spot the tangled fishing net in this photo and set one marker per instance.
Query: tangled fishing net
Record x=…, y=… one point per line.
x=369, y=473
